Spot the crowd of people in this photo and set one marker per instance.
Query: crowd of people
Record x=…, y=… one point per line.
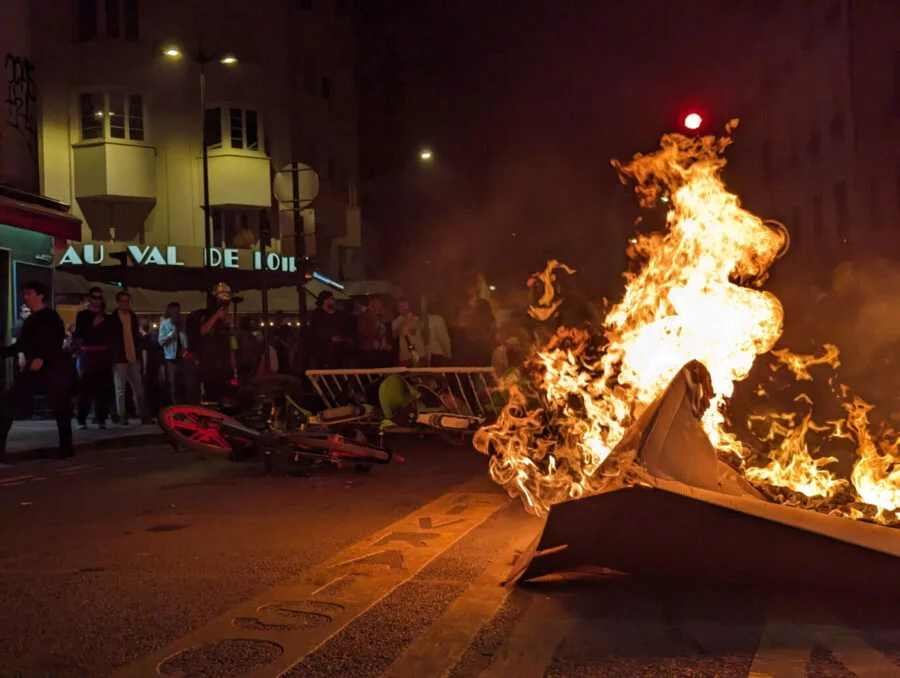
x=113, y=365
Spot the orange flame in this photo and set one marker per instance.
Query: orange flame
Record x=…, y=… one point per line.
x=695, y=297
x=875, y=475
x=686, y=303
x=793, y=467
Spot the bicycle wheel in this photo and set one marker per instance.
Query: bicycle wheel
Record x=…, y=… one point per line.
x=337, y=447
x=199, y=428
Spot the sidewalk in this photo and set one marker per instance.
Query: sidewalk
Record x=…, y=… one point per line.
x=28, y=439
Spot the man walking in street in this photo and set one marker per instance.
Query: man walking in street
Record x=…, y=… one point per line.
x=125, y=342
x=47, y=371
x=94, y=361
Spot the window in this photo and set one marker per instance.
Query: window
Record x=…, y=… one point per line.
x=767, y=165
x=136, y=116
x=91, y=106
x=795, y=229
x=87, y=19
x=242, y=125
x=842, y=211
x=837, y=128
x=814, y=145
x=326, y=88
x=235, y=228
x=113, y=19
x=818, y=220
x=252, y=130
x=236, y=116
x=131, y=19
x=117, y=116
x=111, y=115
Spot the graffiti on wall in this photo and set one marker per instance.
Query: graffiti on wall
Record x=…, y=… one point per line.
x=21, y=100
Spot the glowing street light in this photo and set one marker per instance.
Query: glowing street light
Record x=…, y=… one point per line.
x=693, y=121
x=426, y=155
x=201, y=59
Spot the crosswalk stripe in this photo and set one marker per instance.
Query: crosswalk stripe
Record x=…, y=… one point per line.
x=436, y=651
x=529, y=648
x=784, y=651
x=376, y=566
x=854, y=653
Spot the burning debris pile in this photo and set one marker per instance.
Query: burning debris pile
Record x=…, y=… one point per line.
x=697, y=297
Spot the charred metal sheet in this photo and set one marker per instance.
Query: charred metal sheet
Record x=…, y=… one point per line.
x=701, y=520
x=695, y=536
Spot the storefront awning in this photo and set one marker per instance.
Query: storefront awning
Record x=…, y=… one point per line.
x=176, y=279
x=71, y=288
x=40, y=219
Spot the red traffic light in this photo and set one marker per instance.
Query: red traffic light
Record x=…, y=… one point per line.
x=693, y=121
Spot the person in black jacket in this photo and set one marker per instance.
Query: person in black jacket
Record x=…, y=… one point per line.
x=94, y=361
x=327, y=326
x=47, y=369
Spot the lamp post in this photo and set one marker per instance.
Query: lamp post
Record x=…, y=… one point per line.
x=201, y=59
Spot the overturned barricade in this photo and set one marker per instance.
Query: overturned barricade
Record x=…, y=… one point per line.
x=693, y=517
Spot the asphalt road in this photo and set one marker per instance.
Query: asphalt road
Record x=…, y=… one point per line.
x=143, y=561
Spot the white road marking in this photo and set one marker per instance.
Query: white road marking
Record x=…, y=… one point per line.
x=784, y=651
x=333, y=581
x=529, y=648
x=854, y=653
x=439, y=648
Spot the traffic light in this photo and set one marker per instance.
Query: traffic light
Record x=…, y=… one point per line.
x=693, y=121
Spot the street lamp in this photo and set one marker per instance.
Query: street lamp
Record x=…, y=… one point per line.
x=201, y=59
x=426, y=155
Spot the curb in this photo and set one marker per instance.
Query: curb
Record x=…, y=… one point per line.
x=133, y=440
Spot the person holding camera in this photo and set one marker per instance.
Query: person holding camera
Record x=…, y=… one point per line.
x=209, y=339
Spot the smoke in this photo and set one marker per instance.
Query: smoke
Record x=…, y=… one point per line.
x=532, y=205
x=854, y=305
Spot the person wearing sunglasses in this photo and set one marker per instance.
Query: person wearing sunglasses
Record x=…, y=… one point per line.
x=94, y=362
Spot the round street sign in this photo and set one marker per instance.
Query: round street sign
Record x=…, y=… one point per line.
x=283, y=186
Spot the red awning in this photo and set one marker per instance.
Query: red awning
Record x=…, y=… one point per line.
x=39, y=219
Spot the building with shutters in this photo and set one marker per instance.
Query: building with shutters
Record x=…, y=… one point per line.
x=121, y=126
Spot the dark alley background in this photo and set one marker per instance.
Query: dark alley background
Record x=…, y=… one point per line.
x=524, y=104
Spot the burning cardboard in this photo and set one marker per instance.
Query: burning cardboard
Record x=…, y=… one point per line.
x=694, y=517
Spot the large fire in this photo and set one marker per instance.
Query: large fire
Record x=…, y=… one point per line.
x=697, y=296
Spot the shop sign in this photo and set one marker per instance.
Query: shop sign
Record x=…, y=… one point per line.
x=151, y=255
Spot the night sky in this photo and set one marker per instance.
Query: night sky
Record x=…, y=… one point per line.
x=524, y=103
